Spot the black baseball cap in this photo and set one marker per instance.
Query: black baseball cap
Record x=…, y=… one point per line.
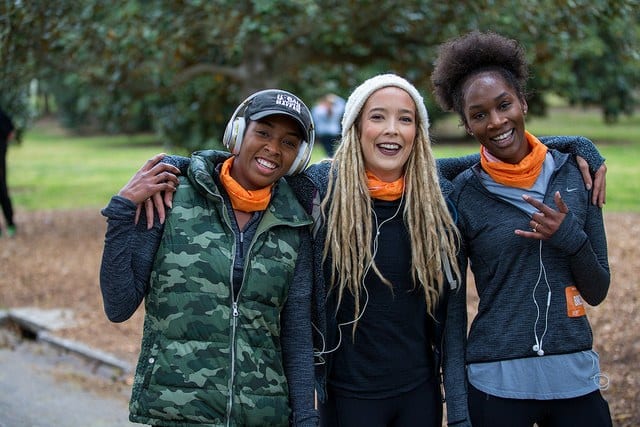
x=276, y=101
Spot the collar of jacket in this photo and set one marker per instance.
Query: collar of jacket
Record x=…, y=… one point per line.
x=283, y=206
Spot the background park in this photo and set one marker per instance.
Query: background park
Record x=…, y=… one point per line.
x=97, y=90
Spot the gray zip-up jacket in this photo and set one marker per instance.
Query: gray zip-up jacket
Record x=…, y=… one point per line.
x=506, y=268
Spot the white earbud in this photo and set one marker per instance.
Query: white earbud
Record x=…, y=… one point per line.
x=538, y=350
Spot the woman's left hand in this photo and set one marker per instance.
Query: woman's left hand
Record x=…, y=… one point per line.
x=547, y=220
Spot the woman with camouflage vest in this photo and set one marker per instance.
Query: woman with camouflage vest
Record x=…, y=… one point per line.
x=226, y=278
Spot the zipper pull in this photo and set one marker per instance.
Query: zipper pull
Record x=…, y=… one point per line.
x=235, y=309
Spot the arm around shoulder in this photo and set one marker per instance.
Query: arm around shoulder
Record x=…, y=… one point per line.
x=455, y=339
x=127, y=259
x=578, y=146
x=297, y=345
x=450, y=167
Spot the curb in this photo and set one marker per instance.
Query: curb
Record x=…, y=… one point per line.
x=41, y=333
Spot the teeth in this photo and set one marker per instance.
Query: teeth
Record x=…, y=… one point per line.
x=389, y=146
x=503, y=136
x=266, y=163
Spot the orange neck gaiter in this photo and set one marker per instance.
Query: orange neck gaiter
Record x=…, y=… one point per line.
x=520, y=175
x=387, y=191
x=241, y=199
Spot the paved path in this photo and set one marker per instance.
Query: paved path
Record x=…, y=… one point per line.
x=42, y=386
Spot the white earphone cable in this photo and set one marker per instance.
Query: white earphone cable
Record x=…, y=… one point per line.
x=319, y=353
x=543, y=272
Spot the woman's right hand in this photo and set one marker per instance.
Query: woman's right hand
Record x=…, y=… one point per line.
x=598, y=183
x=148, y=184
x=547, y=220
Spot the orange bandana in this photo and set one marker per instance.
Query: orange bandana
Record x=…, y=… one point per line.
x=387, y=191
x=520, y=175
x=241, y=199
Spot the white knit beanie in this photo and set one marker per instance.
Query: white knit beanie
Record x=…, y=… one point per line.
x=360, y=95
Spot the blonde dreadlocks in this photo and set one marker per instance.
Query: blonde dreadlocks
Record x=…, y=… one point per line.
x=348, y=208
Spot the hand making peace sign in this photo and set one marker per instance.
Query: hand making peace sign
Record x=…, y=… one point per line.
x=546, y=221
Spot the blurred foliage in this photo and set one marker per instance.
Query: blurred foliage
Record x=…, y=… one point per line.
x=181, y=67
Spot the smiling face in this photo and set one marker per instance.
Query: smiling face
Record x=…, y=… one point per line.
x=387, y=129
x=268, y=149
x=494, y=115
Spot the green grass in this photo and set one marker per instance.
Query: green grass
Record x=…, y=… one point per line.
x=53, y=170
x=619, y=144
x=50, y=170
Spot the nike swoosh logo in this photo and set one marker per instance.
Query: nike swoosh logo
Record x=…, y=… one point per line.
x=569, y=190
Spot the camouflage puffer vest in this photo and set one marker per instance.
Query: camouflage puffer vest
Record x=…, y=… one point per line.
x=205, y=359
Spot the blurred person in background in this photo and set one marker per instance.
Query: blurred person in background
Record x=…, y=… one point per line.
x=327, y=116
x=7, y=132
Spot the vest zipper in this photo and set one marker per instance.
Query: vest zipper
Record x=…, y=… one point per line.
x=234, y=309
x=234, y=324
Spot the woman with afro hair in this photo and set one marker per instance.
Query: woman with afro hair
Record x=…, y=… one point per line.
x=537, y=249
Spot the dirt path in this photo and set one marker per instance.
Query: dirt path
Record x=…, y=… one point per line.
x=54, y=261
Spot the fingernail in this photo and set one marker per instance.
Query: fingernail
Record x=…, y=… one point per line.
x=588, y=186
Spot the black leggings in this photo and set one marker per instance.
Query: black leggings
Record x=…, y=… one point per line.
x=590, y=410
x=5, y=201
x=421, y=407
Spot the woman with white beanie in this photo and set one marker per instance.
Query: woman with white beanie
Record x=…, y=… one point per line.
x=383, y=235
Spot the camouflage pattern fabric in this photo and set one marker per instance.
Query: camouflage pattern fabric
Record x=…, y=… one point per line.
x=204, y=360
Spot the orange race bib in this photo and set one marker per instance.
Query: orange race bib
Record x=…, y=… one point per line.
x=575, y=304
